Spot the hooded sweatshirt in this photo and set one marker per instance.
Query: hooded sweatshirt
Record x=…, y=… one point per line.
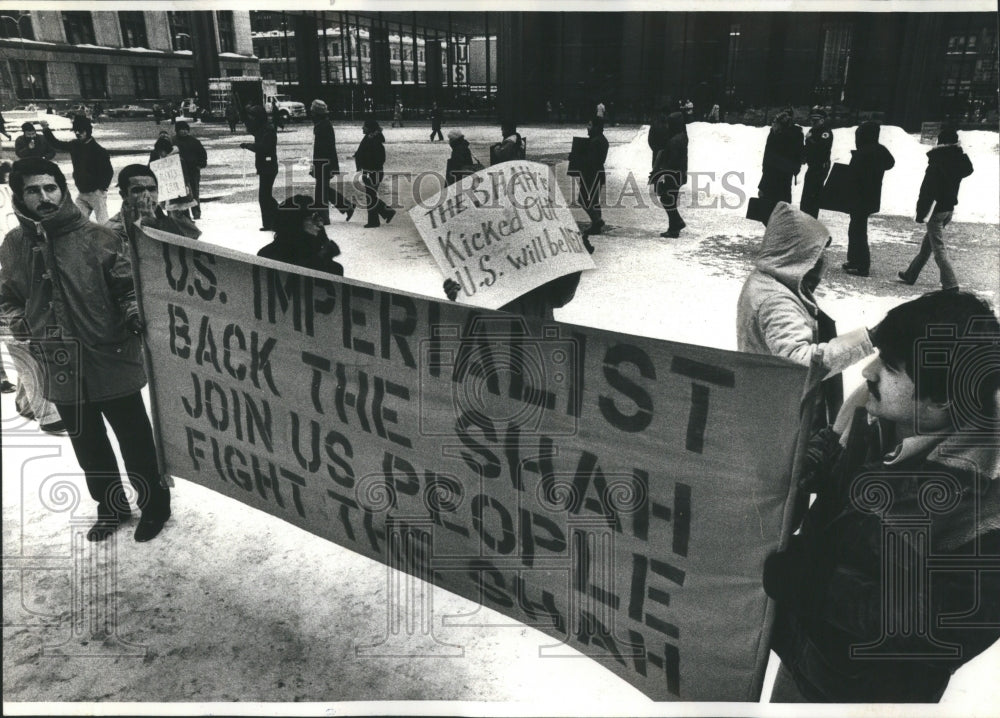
x=869, y=162
x=947, y=166
x=69, y=281
x=775, y=315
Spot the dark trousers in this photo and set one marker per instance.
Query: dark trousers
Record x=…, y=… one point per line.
x=436, y=130
x=265, y=198
x=775, y=186
x=194, y=183
x=858, y=254
x=376, y=207
x=326, y=194
x=812, y=188
x=590, y=200
x=128, y=419
x=669, y=200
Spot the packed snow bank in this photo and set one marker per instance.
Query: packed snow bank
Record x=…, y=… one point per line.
x=717, y=149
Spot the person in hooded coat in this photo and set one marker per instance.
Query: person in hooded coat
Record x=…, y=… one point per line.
x=782, y=159
x=869, y=163
x=947, y=166
x=369, y=158
x=670, y=162
x=459, y=164
x=325, y=163
x=66, y=286
x=589, y=168
x=300, y=238
x=862, y=615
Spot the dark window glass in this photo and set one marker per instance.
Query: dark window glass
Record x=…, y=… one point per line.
x=147, y=83
x=133, y=26
x=93, y=81
x=227, y=30
x=79, y=28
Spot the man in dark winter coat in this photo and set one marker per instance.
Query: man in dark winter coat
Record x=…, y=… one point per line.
x=869, y=163
x=265, y=150
x=460, y=164
x=782, y=159
x=92, y=171
x=325, y=163
x=30, y=144
x=193, y=160
x=816, y=155
x=66, y=284
x=436, y=122
x=887, y=588
x=369, y=158
x=670, y=170
x=589, y=168
x=512, y=147
x=947, y=166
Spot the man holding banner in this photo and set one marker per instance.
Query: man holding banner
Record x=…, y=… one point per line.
x=892, y=583
x=66, y=286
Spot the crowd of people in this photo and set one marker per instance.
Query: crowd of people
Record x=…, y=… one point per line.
x=66, y=289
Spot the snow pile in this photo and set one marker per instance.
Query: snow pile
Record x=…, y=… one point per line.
x=717, y=149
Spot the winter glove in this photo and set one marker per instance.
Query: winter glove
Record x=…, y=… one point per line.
x=920, y=220
x=134, y=324
x=451, y=288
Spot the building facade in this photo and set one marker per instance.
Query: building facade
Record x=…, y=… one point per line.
x=126, y=56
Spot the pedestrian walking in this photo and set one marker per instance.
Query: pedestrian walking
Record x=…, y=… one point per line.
x=587, y=165
x=265, y=150
x=947, y=166
x=782, y=161
x=232, y=116
x=92, y=171
x=325, y=163
x=869, y=163
x=31, y=144
x=669, y=173
x=66, y=286
x=600, y=110
x=299, y=237
x=816, y=156
x=436, y=122
x=194, y=159
x=397, y=114
x=157, y=113
x=370, y=160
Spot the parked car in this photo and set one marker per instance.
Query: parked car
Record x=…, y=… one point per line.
x=130, y=111
x=75, y=110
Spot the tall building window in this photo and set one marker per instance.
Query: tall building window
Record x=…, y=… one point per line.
x=187, y=81
x=79, y=28
x=93, y=81
x=31, y=79
x=133, y=26
x=147, y=83
x=227, y=30
x=180, y=30
x=732, y=58
x=836, y=54
x=17, y=25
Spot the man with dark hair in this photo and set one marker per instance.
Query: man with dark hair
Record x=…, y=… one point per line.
x=31, y=144
x=782, y=159
x=325, y=163
x=436, y=122
x=193, y=160
x=512, y=147
x=92, y=171
x=947, y=166
x=139, y=190
x=816, y=155
x=66, y=286
x=887, y=588
x=265, y=150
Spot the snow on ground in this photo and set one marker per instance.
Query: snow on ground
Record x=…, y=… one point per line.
x=237, y=605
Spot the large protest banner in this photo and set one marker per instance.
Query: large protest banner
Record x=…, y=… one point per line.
x=618, y=493
x=501, y=232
